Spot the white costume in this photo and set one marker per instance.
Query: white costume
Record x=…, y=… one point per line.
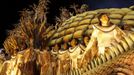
x=104, y=38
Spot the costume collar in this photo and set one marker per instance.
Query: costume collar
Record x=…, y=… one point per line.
x=105, y=28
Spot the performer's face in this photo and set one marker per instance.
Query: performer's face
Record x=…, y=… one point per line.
x=104, y=20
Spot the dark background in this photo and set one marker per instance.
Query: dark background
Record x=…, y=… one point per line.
x=9, y=10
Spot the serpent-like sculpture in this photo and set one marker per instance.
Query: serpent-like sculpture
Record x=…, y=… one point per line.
x=98, y=42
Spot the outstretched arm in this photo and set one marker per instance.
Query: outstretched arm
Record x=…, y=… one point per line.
x=91, y=50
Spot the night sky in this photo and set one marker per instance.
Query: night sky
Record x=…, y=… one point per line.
x=9, y=10
x=96, y=4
